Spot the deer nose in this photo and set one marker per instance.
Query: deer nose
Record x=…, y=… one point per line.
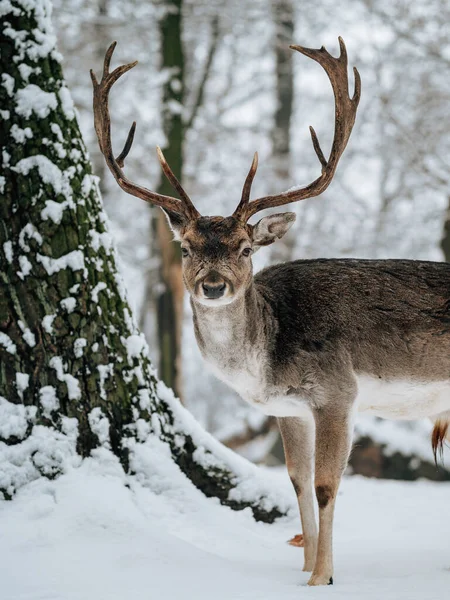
x=213, y=290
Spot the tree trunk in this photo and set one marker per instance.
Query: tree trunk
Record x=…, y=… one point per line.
x=75, y=373
x=283, y=16
x=168, y=293
x=445, y=242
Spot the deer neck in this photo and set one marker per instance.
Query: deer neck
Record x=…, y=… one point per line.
x=226, y=335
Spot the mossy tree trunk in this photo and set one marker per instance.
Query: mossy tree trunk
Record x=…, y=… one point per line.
x=74, y=369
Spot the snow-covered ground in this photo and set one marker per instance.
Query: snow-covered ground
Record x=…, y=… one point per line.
x=95, y=534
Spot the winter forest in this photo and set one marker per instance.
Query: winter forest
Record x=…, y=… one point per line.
x=128, y=469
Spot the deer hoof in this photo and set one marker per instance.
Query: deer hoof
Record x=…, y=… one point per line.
x=320, y=580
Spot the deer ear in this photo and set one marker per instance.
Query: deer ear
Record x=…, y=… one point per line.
x=176, y=223
x=270, y=228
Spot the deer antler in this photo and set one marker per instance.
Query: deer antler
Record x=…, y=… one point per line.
x=345, y=114
x=102, y=123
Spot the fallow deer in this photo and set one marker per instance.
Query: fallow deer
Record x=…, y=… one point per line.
x=311, y=341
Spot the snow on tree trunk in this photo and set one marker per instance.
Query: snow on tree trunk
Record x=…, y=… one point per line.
x=75, y=373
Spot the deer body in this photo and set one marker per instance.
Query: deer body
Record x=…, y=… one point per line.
x=281, y=345
x=312, y=341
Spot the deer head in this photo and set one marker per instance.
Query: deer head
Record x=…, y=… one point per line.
x=217, y=266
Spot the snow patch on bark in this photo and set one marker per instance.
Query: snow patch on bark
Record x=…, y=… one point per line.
x=68, y=304
x=99, y=425
x=73, y=386
x=67, y=103
x=7, y=343
x=25, y=267
x=49, y=400
x=8, y=83
x=97, y=289
x=72, y=260
x=47, y=323
x=20, y=135
x=32, y=99
x=104, y=371
x=50, y=174
x=54, y=210
x=78, y=347
x=136, y=346
x=8, y=251
x=22, y=382
x=30, y=232
x=27, y=335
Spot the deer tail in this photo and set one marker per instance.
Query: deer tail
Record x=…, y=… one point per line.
x=437, y=439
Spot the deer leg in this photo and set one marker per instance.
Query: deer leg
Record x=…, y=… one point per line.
x=298, y=443
x=333, y=443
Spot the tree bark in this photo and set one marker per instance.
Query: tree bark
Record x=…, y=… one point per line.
x=168, y=294
x=283, y=16
x=75, y=373
x=445, y=242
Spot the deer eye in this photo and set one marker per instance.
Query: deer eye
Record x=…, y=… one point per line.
x=246, y=251
x=184, y=252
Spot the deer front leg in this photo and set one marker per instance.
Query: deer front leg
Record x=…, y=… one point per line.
x=298, y=443
x=333, y=443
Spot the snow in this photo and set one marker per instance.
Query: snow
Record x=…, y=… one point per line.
x=104, y=371
x=49, y=400
x=99, y=240
x=32, y=233
x=20, y=135
x=8, y=250
x=73, y=260
x=32, y=99
x=41, y=41
x=8, y=83
x=68, y=304
x=25, y=70
x=22, y=382
x=67, y=103
x=99, y=425
x=97, y=289
x=7, y=343
x=2, y=184
x=14, y=419
x=135, y=345
x=73, y=386
x=52, y=175
x=27, y=334
x=25, y=267
x=78, y=346
x=47, y=323
x=54, y=210
x=160, y=538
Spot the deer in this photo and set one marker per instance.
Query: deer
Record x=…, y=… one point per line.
x=311, y=342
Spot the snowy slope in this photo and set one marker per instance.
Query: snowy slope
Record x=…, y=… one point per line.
x=88, y=537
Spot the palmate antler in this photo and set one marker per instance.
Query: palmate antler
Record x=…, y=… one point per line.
x=345, y=114
x=102, y=122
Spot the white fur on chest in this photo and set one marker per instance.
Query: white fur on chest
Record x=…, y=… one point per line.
x=400, y=399
x=250, y=384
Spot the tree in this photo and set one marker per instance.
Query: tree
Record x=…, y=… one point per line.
x=75, y=371
x=165, y=297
